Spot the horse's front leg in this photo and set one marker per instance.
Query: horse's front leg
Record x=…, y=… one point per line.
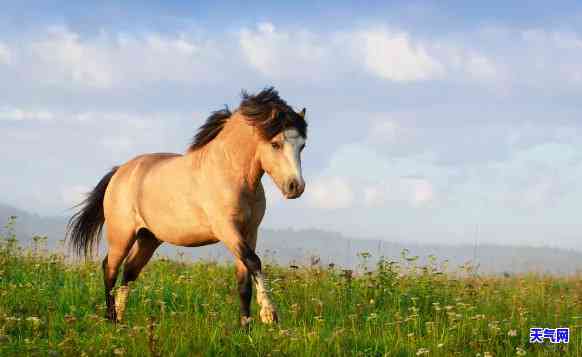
x=247, y=258
x=245, y=291
x=268, y=311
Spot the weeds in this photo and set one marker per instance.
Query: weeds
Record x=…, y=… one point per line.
x=399, y=308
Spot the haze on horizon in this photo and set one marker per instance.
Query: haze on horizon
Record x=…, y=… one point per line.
x=429, y=122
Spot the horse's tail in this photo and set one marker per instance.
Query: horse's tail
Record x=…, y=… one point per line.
x=84, y=228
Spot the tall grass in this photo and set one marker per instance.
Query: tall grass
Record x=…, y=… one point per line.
x=49, y=307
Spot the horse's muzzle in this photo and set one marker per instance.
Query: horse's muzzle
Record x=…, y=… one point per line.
x=294, y=188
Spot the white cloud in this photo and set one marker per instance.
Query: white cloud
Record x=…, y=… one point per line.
x=126, y=120
x=175, y=58
x=9, y=113
x=463, y=62
x=280, y=54
x=394, y=137
x=460, y=136
x=394, y=56
x=330, y=193
x=413, y=191
x=166, y=45
x=63, y=54
x=138, y=121
x=390, y=55
x=5, y=54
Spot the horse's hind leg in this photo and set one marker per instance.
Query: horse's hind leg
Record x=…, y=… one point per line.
x=119, y=245
x=139, y=255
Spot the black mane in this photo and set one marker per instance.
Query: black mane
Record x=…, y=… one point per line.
x=264, y=110
x=271, y=114
x=211, y=128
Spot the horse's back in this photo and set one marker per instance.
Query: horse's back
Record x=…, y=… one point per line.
x=135, y=170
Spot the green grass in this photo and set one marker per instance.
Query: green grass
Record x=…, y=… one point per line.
x=48, y=307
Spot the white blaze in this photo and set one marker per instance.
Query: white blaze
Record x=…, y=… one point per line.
x=292, y=151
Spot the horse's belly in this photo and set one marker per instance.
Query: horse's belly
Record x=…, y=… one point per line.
x=190, y=237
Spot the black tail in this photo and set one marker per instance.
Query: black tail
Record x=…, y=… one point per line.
x=84, y=228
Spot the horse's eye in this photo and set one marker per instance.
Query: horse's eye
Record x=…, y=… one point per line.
x=276, y=145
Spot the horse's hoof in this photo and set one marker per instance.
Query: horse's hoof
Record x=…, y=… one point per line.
x=245, y=321
x=111, y=319
x=269, y=315
x=111, y=316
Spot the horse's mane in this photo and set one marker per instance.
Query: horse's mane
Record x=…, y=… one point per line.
x=264, y=110
x=211, y=128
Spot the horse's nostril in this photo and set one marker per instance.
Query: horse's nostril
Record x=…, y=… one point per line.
x=292, y=187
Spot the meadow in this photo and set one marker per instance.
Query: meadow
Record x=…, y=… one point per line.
x=50, y=306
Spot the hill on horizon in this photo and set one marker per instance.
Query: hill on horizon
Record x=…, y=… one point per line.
x=303, y=247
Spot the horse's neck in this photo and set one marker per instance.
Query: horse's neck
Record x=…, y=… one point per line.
x=233, y=153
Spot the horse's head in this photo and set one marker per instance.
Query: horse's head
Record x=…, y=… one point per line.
x=280, y=156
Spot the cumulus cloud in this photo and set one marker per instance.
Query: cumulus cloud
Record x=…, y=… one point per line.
x=394, y=56
x=330, y=193
x=109, y=59
x=61, y=56
x=394, y=136
x=73, y=60
x=175, y=58
x=390, y=55
x=408, y=190
x=535, y=174
x=460, y=136
x=117, y=135
x=280, y=54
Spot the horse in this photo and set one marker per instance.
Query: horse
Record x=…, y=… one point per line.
x=211, y=193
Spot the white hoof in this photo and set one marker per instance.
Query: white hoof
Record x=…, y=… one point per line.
x=121, y=302
x=245, y=321
x=269, y=314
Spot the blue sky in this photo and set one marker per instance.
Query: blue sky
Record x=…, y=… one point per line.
x=426, y=119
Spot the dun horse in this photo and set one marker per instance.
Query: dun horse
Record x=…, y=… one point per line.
x=212, y=193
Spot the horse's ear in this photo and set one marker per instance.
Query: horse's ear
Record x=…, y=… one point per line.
x=302, y=113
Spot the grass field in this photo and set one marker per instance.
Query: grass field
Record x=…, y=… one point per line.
x=48, y=307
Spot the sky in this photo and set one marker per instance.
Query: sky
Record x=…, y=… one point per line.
x=429, y=122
